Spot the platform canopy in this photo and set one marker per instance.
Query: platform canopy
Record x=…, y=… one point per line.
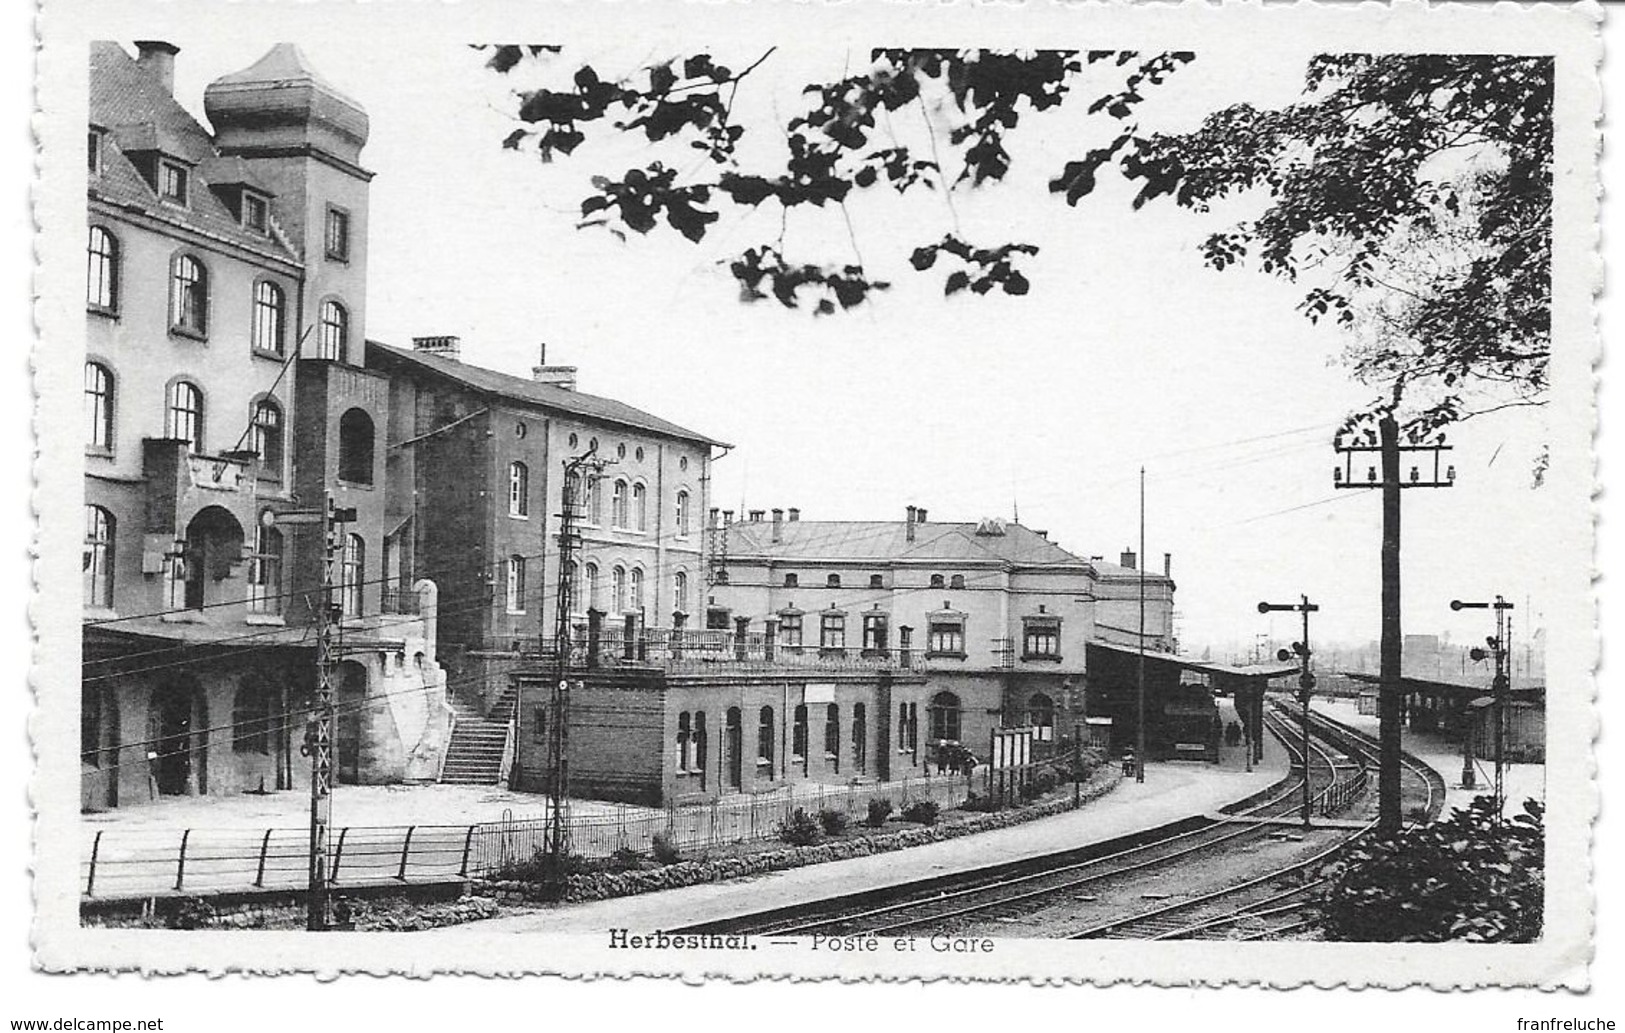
x=1267, y=670
x=1452, y=690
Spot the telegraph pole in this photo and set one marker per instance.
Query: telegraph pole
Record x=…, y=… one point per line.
x=1306, y=679
x=1139, y=734
x=558, y=711
x=1499, y=652
x=319, y=727
x=1390, y=694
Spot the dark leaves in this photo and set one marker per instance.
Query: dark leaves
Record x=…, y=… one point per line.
x=763, y=273
x=985, y=268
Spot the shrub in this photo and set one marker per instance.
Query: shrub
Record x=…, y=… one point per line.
x=625, y=859
x=923, y=812
x=879, y=810
x=800, y=829
x=538, y=868
x=833, y=822
x=981, y=804
x=664, y=849
x=1045, y=781
x=191, y=913
x=1029, y=790
x=1463, y=878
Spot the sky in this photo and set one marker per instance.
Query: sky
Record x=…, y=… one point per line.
x=1128, y=351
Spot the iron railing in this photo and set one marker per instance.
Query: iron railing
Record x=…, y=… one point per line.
x=691, y=651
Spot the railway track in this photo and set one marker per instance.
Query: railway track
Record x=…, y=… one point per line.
x=1010, y=890
x=1275, y=903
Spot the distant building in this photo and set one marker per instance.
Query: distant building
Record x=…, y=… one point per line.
x=225, y=387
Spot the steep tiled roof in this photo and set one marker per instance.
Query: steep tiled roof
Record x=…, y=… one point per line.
x=518, y=389
x=887, y=541
x=139, y=114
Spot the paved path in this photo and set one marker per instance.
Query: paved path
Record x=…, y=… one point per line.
x=1170, y=792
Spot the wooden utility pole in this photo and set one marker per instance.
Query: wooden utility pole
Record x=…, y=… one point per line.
x=1139, y=732
x=1390, y=692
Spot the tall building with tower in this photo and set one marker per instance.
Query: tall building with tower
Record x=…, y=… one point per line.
x=227, y=398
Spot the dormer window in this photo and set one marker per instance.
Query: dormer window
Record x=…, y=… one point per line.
x=256, y=213
x=172, y=182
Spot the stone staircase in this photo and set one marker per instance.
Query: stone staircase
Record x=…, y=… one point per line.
x=474, y=755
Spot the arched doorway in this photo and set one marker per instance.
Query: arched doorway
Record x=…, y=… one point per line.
x=178, y=755
x=214, y=543
x=351, y=703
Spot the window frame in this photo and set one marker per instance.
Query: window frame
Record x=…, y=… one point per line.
x=518, y=490
x=1034, y=630
x=832, y=633
x=767, y=732
x=173, y=174
x=269, y=319
x=252, y=201
x=876, y=633
x=100, y=402
x=265, y=572
x=333, y=331
x=944, y=719
x=943, y=632
x=791, y=630
x=103, y=271
x=269, y=467
x=640, y=507
x=682, y=507
x=352, y=576
x=189, y=320
x=195, y=417
x=337, y=234
x=619, y=510
x=514, y=585
x=100, y=556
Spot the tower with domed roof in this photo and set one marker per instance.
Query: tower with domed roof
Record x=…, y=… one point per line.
x=303, y=138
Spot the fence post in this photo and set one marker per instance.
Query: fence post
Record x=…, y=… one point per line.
x=259, y=874
x=468, y=845
x=95, y=851
x=180, y=863
x=406, y=849
x=338, y=852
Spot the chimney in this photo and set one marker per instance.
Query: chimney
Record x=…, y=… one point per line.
x=558, y=376
x=1128, y=559
x=778, y=524
x=1167, y=564
x=1042, y=534
x=158, y=58
x=908, y=525
x=445, y=347
x=795, y=514
x=727, y=517
x=911, y=513
x=716, y=517
x=756, y=515
x=919, y=515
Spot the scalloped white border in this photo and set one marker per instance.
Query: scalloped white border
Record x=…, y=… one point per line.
x=1570, y=32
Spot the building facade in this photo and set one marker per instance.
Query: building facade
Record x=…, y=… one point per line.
x=226, y=399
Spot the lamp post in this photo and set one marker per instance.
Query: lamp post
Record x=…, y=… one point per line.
x=1306, y=680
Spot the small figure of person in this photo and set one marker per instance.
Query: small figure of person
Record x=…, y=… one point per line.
x=1128, y=762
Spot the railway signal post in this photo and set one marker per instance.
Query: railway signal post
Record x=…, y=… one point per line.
x=1306, y=679
x=1497, y=644
x=1390, y=697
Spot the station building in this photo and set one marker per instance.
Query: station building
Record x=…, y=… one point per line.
x=226, y=394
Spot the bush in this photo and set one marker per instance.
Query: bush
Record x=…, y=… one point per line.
x=1046, y=781
x=664, y=850
x=800, y=829
x=980, y=804
x=1029, y=790
x=833, y=822
x=625, y=859
x=1464, y=878
x=538, y=868
x=879, y=810
x=923, y=812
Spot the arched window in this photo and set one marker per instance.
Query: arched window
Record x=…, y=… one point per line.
x=765, y=736
x=699, y=745
x=791, y=581
x=679, y=592
x=333, y=337
x=635, y=589
x=617, y=505
x=270, y=311
x=798, y=733
x=640, y=508
x=518, y=489
x=99, y=405
x=833, y=581
x=267, y=436
x=944, y=711
x=516, y=584
x=185, y=415
x=355, y=447
x=251, y=716
x=685, y=741
x=618, y=589
x=265, y=572
x=936, y=581
x=98, y=559
x=189, y=296
x=832, y=734
x=957, y=581
x=682, y=513
x=102, y=279
x=591, y=577
x=352, y=574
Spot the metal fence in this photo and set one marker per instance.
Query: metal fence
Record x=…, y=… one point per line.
x=699, y=650
x=119, y=863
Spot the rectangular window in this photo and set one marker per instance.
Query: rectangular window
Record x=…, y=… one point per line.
x=1041, y=640
x=95, y=153
x=516, y=584
x=338, y=234
x=945, y=638
x=172, y=182
x=255, y=212
x=790, y=630
x=832, y=631
x=538, y=723
x=874, y=633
